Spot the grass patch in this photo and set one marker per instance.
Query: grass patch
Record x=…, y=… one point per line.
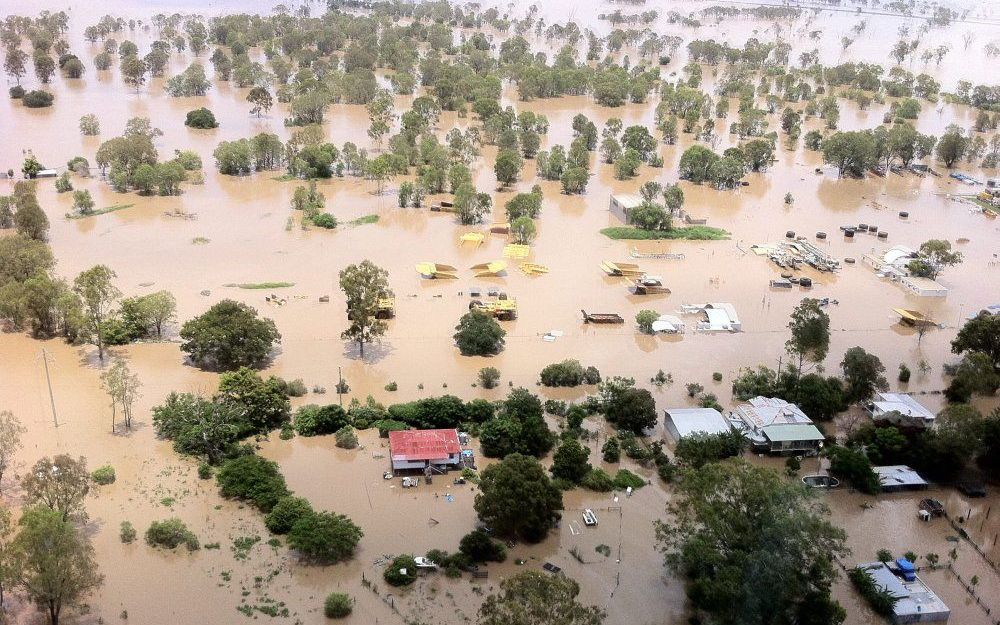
x=200, y=240
x=687, y=233
x=284, y=178
x=100, y=211
x=360, y=221
x=260, y=285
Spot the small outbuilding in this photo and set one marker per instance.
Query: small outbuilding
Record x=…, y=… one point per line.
x=421, y=449
x=622, y=204
x=915, y=601
x=681, y=422
x=923, y=287
x=899, y=477
x=900, y=407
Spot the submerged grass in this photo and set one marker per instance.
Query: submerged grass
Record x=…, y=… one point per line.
x=100, y=211
x=689, y=233
x=360, y=221
x=260, y=285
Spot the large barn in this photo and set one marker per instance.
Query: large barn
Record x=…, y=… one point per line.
x=419, y=449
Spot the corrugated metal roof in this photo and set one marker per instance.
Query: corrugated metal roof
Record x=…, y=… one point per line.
x=793, y=432
x=693, y=420
x=423, y=444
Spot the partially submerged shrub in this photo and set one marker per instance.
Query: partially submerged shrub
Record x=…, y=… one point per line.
x=126, y=532
x=170, y=534
x=253, y=479
x=402, y=571
x=479, y=547
x=346, y=438
x=337, y=605
x=286, y=512
x=104, y=475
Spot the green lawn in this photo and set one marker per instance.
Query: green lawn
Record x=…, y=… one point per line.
x=360, y=221
x=688, y=233
x=100, y=211
x=261, y=285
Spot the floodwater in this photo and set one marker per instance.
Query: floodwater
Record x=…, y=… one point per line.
x=245, y=221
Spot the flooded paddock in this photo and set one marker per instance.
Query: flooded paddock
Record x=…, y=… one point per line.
x=254, y=236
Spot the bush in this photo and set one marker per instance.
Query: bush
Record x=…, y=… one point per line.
x=479, y=547
x=204, y=471
x=37, y=99
x=854, y=467
x=313, y=420
x=611, y=451
x=253, y=479
x=565, y=373
x=201, y=118
x=126, y=532
x=391, y=387
x=598, y=480
x=285, y=513
x=717, y=377
x=324, y=537
x=104, y=475
x=296, y=388
x=170, y=534
x=337, y=605
x=904, y=373
x=346, y=438
x=16, y=92
x=700, y=448
x=882, y=601
x=402, y=571
x=625, y=478
x=489, y=377
x=324, y=220
x=556, y=407
x=478, y=334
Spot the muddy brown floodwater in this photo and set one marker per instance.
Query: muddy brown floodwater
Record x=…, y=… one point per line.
x=244, y=220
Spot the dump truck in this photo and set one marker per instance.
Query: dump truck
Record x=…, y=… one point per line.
x=502, y=308
x=386, y=308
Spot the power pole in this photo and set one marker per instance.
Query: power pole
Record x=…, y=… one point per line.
x=340, y=386
x=48, y=380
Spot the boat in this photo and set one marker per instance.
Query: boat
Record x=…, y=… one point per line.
x=602, y=317
x=650, y=285
x=589, y=518
x=488, y=270
x=820, y=481
x=533, y=269
x=620, y=269
x=436, y=270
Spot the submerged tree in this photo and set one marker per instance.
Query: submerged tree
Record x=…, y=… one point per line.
x=97, y=291
x=366, y=286
x=53, y=561
x=810, y=326
x=10, y=441
x=122, y=386
x=537, y=598
x=753, y=548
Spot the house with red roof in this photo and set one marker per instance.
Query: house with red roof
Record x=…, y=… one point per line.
x=419, y=449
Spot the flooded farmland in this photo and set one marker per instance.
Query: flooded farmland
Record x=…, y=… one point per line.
x=241, y=229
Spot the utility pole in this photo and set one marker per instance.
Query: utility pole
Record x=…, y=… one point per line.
x=48, y=380
x=340, y=386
